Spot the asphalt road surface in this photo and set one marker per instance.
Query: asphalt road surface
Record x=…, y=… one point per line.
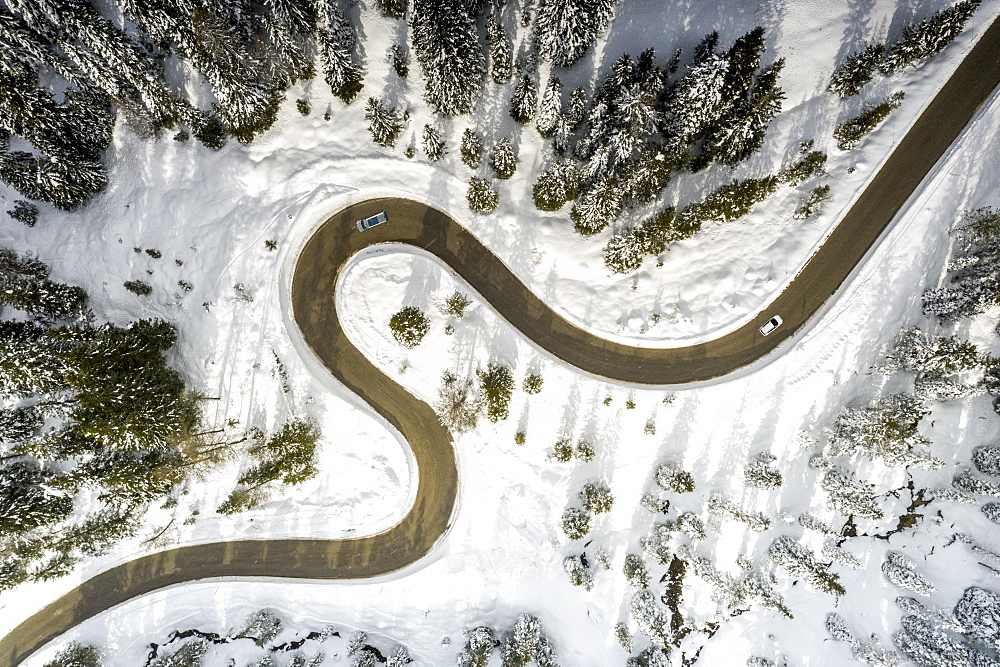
x=337, y=240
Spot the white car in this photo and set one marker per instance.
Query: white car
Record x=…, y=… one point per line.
x=771, y=325
x=372, y=220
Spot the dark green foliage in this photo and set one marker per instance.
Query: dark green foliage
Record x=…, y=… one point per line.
x=24, y=212
x=99, y=531
x=597, y=208
x=210, y=132
x=974, y=279
x=556, y=186
x=808, y=165
x=482, y=196
x=261, y=626
x=532, y=383
x=17, y=425
x=409, y=326
x=302, y=106
x=76, y=655
x=813, y=204
x=496, y=385
x=138, y=287
x=524, y=102
x=728, y=203
x=65, y=184
x=636, y=571
x=337, y=42
x=672, y=478
x=850, y=133
x=857, y=70
x=922, y=40
x=288, y=456
x=472, y=148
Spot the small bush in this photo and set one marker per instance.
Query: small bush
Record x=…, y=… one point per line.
x=303, y=107
x=671, y=477
x=532, y=383
x=520, y=438
x=562, y=451
x=814, y=203
x=456, y=305
x=585, y=451
x=138, y=287
x=409, y=326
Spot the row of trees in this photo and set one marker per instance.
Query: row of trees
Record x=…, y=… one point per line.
x=919, y=41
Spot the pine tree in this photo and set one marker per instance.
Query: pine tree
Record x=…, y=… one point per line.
x=566, y=29
x=25, y=285
x=729, y=202
x=472, y=148
x=502, y=159
x=65, y=184
x=500, y=51
x=524, y=102
x=761, y=474
x=850, y=133
x=597, y=208
x=653, y=620
x=337, y=39
x=496, y=387
x=409, y=326
x=901, y=571
x=449, y=53
x=978, y=611
x=551, y=108
x=458, y=405
x=479, y=646
x=670, y=477
x=76, y=655
x=579, y=571
x=799, y=561
x=556, y=186
x=596, y=498
x=849, y=496
x=636, y=571
x=857, y=70
x=885, y=429
x=24, y=212
x=987, y=460
x=384, y=124
x=433, y=143
x=26, y=502
x=482, y=197
x=814, y=203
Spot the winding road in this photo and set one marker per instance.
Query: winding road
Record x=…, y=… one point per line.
x=314, y=280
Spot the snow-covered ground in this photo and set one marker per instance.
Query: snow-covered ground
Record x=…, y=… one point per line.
x=209, y=214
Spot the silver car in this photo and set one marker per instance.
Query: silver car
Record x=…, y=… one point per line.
x=372, y=220
x=771, y=325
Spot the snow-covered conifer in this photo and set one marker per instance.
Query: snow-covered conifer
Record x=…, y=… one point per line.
x=409, y=326
x=799, y=561
x=658, y=543
x=65, y=183
x=913, y=607
x=450, y=56
x=671, y=477
x=482, y=196
x=76, y=655
x=624, y=252
x=723, y=506
x=901, y=571
x=929, y=645
x=651, y=618
x=395, y=9
x=840, y=555
x=502, y=159
x=433, y=143
x=987, y=460
x=458, y=405
x=500, y=51
x=856, y=70
x=24, y=212
x=886, y=429
x=566, y=29
x=479, y=645
x=337, y=39
x=850, y=133
x=691, y=525
x=524, y=102
x=550, y=108
x=965, y=481
x=579, y=571
x=849, y=496
x=761, y=474
x=596, y=498
x=597, y=208
x=471, y=148
x=576, y=523
x=556, y=185
x=978, y=611
x=384, y=124
x=814, y=203
x=918, y=352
